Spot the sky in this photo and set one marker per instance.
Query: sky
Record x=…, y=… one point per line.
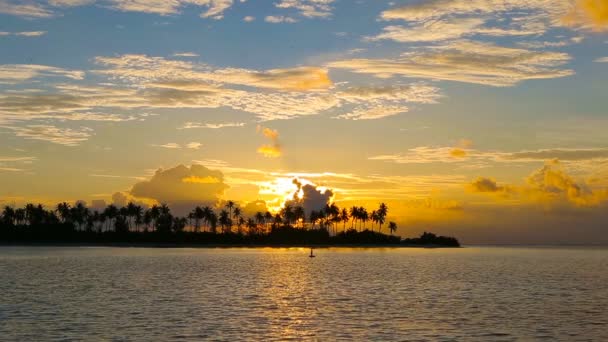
x=483, y=119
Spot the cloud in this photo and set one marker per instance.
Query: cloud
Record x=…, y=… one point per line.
x=449, y=29
x=120, y=199
x=279, y=19
x=214, y=8
x=24, y=33
x=185, y=54
x=15, y=164
x=432, y=31
x=419, y=93
x=190, y=125
x=602, y=60
x=589, y=15
x=53, y=134
x=274, y=149
x=140, y=82
x=69, y=3
x=548, y=185
x=154, y=69
x=248, y=19
x=461, y=149
x=466, y=61
x=551, y=183
x=194, y=145
x=464, y=153
x=31, y=33
x=252, y=208
x=310, y=197
x=308, y=8
x=27, y=10
x=175, y=187
x=175, y=146
x=15, y=73
x=372, y=113
x=484, y=17
x=563, y=154
x=490, y=186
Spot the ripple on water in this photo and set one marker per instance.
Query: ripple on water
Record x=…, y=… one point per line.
x=496, y=294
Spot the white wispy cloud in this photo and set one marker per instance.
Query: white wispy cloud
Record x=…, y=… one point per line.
x=372, y=113
x=185, y=54
x=525, y=17
x=176, y=146
x=190, y=125
x=12, y=73
x=308, y=8
x=276, y=19
x=466, y=61
x=214, y=9
x=24, y=33
x=54, y=134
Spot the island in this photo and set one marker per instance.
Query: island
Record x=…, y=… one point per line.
x=133, y=225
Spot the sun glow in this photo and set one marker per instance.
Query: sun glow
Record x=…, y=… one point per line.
x=280, y=190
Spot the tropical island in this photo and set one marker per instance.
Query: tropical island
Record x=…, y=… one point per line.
x=134, y=225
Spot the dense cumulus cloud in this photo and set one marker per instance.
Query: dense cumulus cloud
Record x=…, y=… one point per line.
x=310, y=197
x=182, y=187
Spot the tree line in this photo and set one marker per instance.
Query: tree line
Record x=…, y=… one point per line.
x=204, y=224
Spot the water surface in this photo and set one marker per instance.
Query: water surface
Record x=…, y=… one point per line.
x=497, y=294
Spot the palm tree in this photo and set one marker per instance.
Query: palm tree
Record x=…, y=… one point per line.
x=111, y=211
x=354, y=214
x=259, y=218
x=314, y=216
x=198, y=214
x=237, y=213
x=224, y=220
x=363, y=216
x=230, y=205
x=267, y=219
x=344, y=217
x=63, y=210
x=287, y=213
x=277, y=220
x=8, y=216
x=154, y=215
x=392, y=226
x=238, y=218
x=382, y=212
x=374, y=218
x=251, y=226
x=20, y=215
x=298, y=213
x=212, y=220
x=207, y=214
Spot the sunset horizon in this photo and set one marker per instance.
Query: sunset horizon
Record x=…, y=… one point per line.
x=452, y=114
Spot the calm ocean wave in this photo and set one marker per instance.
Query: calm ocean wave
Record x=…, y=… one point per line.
x=137, y=294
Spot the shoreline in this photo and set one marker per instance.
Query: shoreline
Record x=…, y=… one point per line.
x=216, y=246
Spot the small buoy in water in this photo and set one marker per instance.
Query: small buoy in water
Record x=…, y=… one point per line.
x=311, y=254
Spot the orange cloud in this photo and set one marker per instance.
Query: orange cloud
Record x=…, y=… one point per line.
x=547, y=185
x=200, y=180
x=270, y=150
x=460, y=151
x=588, y=14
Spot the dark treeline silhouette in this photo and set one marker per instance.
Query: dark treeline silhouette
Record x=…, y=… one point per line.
x=134, y=224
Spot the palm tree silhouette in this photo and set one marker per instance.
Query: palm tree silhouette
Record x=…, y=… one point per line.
x=392, y=226
x=382, y=212
x=224, y=220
